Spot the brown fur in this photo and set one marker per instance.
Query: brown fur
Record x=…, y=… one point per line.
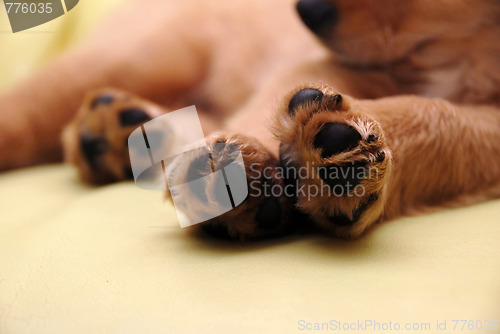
x=436, y=155
x=236, y=60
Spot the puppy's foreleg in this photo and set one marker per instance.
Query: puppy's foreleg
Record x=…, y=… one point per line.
x=375, y=160
x=162, y=59
x=444, y=154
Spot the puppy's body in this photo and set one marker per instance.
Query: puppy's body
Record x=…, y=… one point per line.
x=235, y=60
x=212, y=54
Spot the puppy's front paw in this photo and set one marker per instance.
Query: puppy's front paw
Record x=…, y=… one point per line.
x=96, y=140
x=336, y=156
x=200, y=181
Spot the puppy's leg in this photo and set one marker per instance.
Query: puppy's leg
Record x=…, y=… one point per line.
x=359, y=162
x=158, y=56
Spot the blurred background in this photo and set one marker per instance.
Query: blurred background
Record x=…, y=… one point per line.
x=78, y=259
x=25, y=51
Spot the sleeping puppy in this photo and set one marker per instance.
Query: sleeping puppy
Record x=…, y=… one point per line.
x=290, y=101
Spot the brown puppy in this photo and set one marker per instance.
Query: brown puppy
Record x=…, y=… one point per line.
x=422, y=153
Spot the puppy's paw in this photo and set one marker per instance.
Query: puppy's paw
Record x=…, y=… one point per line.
x=257, y=211
x=336, y=156
x=96, y=139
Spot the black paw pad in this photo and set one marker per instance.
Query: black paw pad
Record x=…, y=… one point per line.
x=302, y=97
x=133, y=116
x=343, y=178
x=334, y=138
x=92, y=147
x=104, y=99
x=269, y=214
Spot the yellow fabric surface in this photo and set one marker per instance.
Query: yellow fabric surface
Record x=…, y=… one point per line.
x=77, y=259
